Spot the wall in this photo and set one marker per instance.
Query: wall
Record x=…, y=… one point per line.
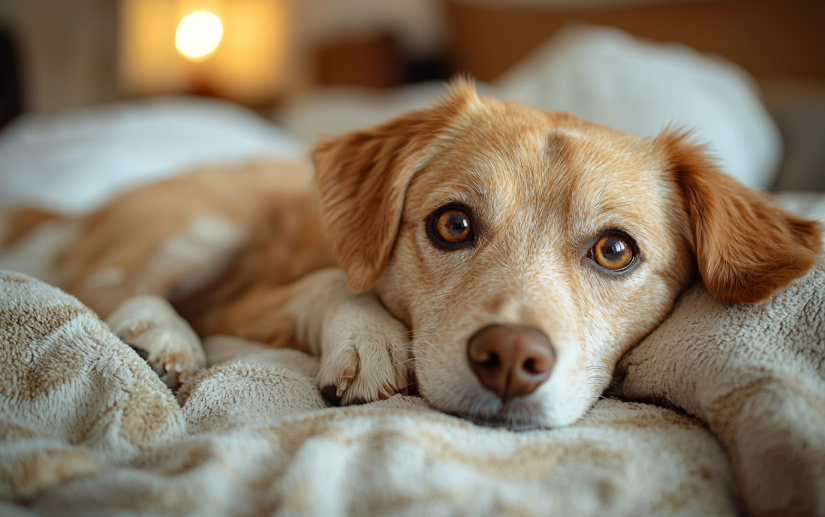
x=69, y=47
x=68, y=50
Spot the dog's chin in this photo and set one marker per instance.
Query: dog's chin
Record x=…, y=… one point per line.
x=551, y=406
x=515, y=415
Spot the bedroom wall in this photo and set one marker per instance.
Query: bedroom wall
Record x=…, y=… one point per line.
x=69, y=47
x=768, y=38
x=68, y=50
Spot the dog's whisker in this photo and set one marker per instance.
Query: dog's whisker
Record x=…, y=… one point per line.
x=399, y=363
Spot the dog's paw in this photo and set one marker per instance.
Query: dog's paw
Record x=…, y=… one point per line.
x=162, y=338
x=365, y=354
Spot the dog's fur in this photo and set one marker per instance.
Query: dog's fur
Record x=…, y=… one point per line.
x=240, y=252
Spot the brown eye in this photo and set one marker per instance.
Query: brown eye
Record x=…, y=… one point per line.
x=613, y=252
x=453, y=226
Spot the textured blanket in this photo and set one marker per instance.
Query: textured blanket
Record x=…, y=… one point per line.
x=86, y=428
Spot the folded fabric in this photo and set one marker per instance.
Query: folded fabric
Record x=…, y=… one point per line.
x=88, y=429
x=756, y=375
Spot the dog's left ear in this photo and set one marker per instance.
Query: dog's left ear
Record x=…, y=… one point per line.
x=746, y=247
x=363, y=179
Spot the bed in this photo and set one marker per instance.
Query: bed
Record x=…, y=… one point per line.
x=720, y=411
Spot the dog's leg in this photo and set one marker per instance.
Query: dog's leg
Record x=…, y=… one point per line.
x=364, y=351
x=152, y=327
x=363, y=348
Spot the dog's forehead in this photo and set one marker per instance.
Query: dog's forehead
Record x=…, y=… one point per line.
x=510, y=142
x=519, y=158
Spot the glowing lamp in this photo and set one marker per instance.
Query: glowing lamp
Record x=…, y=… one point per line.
x=198, y=35
x=231, y=48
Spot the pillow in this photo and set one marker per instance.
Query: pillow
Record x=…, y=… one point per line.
x=603, y=75
x=606, y=76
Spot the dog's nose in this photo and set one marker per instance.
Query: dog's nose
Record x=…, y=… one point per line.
x=511, y=360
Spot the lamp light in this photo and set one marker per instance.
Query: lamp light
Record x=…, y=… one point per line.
x=232, y=48
x=199, y=34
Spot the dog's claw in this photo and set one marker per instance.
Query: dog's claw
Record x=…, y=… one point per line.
x=386, y=392
x=364, y=352
x=358, y=377
x=160, y=337
x=329, y=393
x=173, y=381
x=141, y=352
x=401, y=382
x=363, y=376
x=342, y=387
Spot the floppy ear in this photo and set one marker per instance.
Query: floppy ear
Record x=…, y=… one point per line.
x=363, y=179
x=746, y=247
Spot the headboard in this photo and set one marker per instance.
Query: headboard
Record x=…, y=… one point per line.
x=769, y=38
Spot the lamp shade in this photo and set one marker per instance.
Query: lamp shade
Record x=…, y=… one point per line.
x=231, y=48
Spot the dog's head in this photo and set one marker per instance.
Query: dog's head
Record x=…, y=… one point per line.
x=528, y=250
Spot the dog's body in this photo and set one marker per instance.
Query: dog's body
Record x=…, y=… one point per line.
x=526, y=251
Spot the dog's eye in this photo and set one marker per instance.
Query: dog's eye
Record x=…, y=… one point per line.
x=613, y=251
x=451, y=227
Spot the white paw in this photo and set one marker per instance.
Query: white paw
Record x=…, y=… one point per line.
x=162, y=338
x=364, y=353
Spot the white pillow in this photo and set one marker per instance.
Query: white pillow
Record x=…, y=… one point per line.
x=606, y=76
x=602, y=75
x=76, y=161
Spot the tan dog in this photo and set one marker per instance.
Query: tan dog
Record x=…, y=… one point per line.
x=525, y=250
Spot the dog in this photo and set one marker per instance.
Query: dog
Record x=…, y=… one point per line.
x=494, y=257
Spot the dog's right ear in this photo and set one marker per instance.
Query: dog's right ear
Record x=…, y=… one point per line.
x=363, y=178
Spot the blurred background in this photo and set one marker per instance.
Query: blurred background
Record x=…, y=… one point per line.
x=78, y=52
x=749, y=75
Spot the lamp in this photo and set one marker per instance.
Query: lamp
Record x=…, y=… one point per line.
x=231, y=48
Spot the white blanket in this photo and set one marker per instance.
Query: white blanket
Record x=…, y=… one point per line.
x=88, y=429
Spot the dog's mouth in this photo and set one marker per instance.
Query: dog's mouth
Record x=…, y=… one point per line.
x=510, y=417
x=518, y=414
x=515, y=415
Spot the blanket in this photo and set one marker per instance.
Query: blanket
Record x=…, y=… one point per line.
x=720, y=411
x=756, y=376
